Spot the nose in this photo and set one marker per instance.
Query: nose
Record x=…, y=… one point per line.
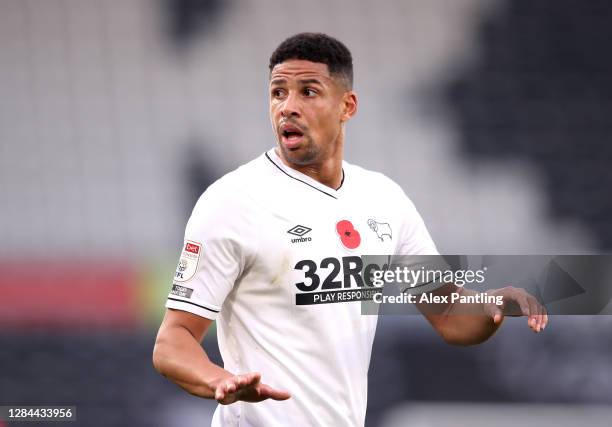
x=290, y=107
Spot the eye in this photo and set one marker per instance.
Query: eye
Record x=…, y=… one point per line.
x=309, y=92
x=277, y=93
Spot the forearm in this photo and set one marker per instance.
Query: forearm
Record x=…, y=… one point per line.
x=466, y=323
x=183, y=360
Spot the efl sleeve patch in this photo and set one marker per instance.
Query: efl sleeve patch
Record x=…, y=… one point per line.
x=188, y=263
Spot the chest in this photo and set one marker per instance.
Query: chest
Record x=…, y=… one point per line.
x=314, y=256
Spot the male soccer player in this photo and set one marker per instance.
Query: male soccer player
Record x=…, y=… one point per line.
x=272, y=252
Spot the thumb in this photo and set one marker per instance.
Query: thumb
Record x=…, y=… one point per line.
x=273, y=393
x=496, y=313
x=498, y=316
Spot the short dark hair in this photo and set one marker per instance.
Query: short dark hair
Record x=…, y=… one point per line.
x=317, y=47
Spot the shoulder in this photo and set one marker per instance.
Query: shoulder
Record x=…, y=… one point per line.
x=239, y=179
x=372, y=182
x=228, y=200
x=236, y=186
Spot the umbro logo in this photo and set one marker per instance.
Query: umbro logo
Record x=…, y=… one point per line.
x=300, y=231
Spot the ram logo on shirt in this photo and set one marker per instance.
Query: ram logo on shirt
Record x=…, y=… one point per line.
x=381, y=229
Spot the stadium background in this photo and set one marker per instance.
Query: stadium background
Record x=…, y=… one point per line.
x=494, y=115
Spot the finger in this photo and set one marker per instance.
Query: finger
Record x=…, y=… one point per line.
x=544, y=316
x=497, y=319
x=231, y=389
x=220, y=393
x=534, y=313
x=497, y=314
x=252, y=378
x=228, y=399
x=528, y=309
x=230, y=385
x=521, y=300
x=224, y=390
x=540, y=320
x=240, y=382
x=268, y=392
x=540, y=315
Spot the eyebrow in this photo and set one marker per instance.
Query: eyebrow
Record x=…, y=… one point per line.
x=310, y=81
x=279, y=81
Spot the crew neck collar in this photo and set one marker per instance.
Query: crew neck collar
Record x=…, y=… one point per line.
x=275, y=159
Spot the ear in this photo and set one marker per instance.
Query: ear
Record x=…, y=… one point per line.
x=349, y=105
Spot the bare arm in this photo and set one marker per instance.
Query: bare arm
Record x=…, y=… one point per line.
x=469, y=324
x=178, y=356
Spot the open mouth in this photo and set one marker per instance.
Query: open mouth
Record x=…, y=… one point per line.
x=291, y=135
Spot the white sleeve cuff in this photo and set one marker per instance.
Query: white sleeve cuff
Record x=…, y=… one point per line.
x=209, y=312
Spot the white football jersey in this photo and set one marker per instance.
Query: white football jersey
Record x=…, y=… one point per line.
x=274, y=257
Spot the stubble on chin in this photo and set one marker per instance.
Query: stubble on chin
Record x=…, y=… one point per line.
x=303, y=157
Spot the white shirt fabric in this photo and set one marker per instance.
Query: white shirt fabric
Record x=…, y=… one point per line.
x=250, y=263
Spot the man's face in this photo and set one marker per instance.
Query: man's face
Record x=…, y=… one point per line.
x=307, y=109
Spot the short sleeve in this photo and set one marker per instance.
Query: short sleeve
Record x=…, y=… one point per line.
x=212, y=256
x=415, y=238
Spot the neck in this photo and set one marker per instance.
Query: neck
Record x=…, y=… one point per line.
x=327, y=171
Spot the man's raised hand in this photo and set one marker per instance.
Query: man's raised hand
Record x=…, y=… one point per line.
x=527, y=306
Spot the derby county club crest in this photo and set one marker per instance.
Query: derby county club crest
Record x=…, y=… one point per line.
x=381, y=229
